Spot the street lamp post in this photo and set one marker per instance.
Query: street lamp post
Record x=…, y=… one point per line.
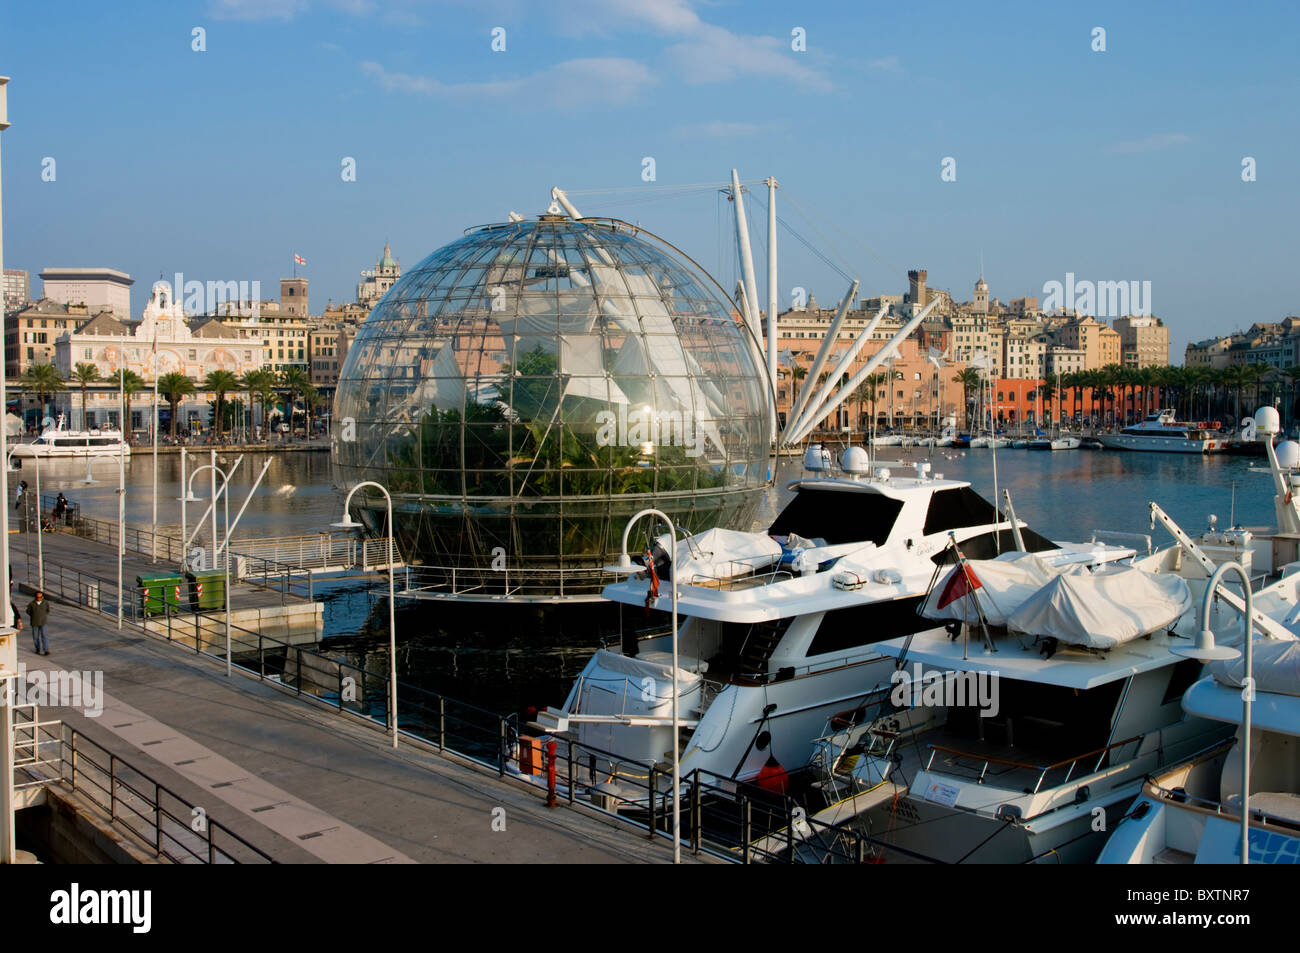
x=40, y=549
x=625, y=566
x=1205, y=650
x=349, y=524
x=89, y=480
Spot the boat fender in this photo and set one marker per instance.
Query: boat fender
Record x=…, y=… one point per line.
x=772, y=777
x=1082, y=794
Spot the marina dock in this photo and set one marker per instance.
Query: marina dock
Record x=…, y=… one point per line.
x=293, y=780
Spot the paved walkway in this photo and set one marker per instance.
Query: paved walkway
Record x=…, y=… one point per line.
x=298, y=782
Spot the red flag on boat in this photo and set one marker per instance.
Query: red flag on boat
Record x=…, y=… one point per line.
x=961, y=581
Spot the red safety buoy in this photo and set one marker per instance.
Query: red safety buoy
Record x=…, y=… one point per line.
x=772, y=777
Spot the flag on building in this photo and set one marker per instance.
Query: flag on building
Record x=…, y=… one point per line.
x=299, y=260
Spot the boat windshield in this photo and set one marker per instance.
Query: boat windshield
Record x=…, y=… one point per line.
x=838, y=517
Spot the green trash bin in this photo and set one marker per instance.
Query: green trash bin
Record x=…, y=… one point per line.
x=207, y=589
x=159, y=592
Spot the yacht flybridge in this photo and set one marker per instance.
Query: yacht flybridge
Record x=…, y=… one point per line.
x=780, y=629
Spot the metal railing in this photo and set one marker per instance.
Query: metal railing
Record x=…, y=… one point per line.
x=174, y=827
x=268, y=559
x=730, y=820
x=1117, y=534
x=1042, y=769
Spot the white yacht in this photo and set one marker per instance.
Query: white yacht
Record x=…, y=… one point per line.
x=781, y=629
x=1027, y=738
x=1161, y=432
x=1084, y=727
x=1192, y=813
x=57, y=442
x=1055, y=443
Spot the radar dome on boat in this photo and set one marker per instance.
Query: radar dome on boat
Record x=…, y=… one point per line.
x=1267, y=421
x=816, y=459
x=1288, y=454
x=855, y=460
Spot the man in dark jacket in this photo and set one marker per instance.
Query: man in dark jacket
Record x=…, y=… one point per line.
x=38, y=610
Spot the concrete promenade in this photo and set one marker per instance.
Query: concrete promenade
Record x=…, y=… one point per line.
x=296, y=781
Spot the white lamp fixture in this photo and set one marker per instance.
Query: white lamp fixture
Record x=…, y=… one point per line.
x=1205, y=650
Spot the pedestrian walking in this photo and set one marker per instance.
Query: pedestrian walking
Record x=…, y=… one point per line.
x=38, y=610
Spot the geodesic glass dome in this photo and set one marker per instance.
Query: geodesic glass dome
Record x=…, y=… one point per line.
x=524, y=390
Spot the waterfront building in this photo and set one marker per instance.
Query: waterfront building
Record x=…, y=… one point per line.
x=1144, y=341
x=31, y=332
x=327, y=345
x=17, y=289
x=375, y=283
x=99, y=289
x=1210, y=353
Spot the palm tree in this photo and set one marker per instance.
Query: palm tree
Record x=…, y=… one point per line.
x=220, y=383
x=129, y=383
x=310, y=400
x=43, y=381
x=969, y=379
x=1257, y=372
x=1293, y=375
x=175, y=387
x=84, y=375
x=293, y=381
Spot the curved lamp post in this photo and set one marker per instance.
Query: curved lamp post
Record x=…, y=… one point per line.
x=625, y=566
x=89, y=480
x=347, y=523
x=189, y=497
x=40, y=549
x=1205, y=650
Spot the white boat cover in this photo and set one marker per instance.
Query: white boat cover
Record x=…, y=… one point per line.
x=1006, y=582
x=1275, y=666
x=1103, y=610
x=636, y=669
x=722, y=554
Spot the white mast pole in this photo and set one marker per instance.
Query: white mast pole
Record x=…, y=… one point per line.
x=799, y=413
x=771, y=294
x=872, y=363
x=746, y=256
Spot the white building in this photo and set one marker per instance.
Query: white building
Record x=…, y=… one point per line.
x=99, y=289
x=163, y=338
x=375, y=284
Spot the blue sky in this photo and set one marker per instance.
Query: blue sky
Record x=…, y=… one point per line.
x=1115, y=165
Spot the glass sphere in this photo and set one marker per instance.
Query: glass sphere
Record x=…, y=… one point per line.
x=524, y=390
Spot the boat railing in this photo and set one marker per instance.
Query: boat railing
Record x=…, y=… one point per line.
x=1118, y=534
x=1042, y=770
x=741, y=574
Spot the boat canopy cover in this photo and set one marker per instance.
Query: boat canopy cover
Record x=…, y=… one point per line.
x=1103, y=610
x=637, y=669
x=1275, y=667
x=1005, y=583
x=722, y=554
